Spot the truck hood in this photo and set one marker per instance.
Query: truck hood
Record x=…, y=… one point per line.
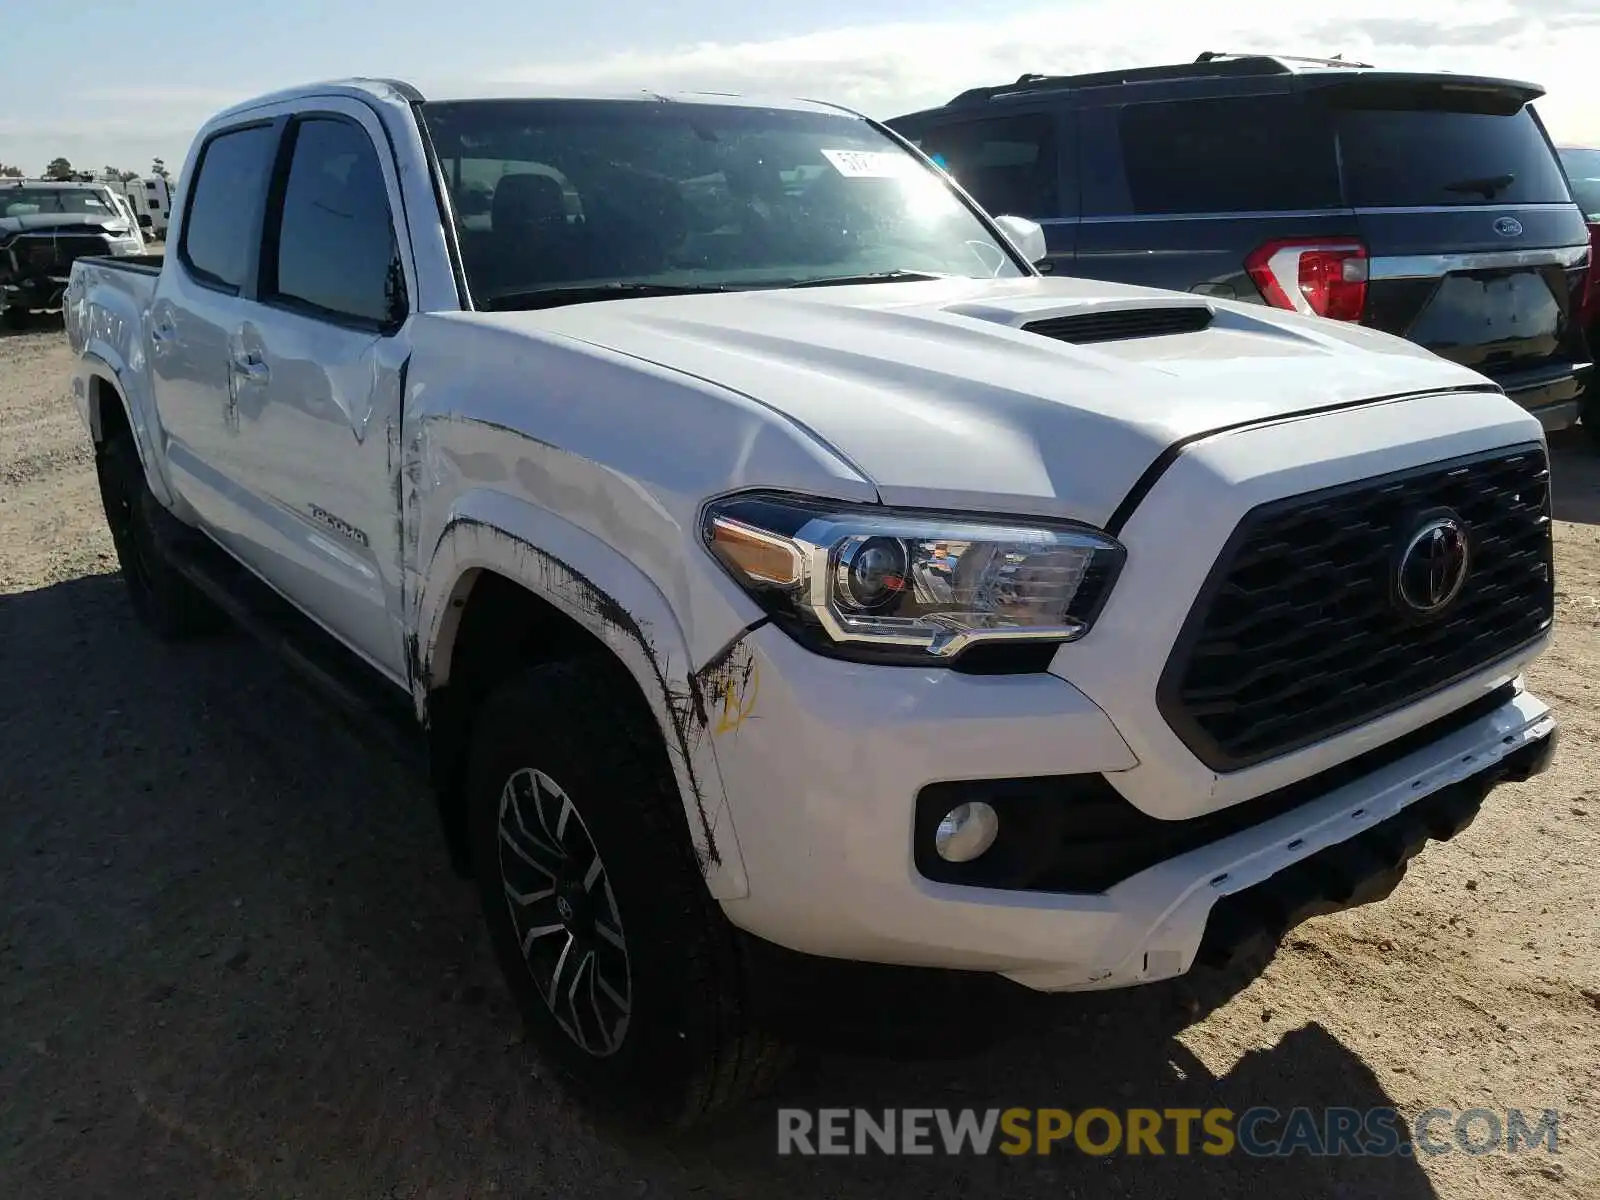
x=49, y=222
x=936, y=394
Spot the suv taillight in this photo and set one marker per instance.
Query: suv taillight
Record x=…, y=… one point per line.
x=1322, y=277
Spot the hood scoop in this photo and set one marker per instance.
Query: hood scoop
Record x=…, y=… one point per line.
x=1123, y=324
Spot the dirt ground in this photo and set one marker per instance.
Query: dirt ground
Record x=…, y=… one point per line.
x=233, y=960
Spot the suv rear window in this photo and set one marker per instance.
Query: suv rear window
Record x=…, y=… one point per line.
x=1401, y=151
x=1234, y=154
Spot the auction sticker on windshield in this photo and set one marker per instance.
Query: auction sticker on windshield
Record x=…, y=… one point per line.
x=870, y=164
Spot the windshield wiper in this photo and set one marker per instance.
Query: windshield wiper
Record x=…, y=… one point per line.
x=1484, y=185
x=873, y=277
x=552, y=297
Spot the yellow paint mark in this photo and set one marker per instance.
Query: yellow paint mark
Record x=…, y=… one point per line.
x=737, y=705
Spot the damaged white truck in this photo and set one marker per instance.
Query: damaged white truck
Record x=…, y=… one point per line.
x=770, y=564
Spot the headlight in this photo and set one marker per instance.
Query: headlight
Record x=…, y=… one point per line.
x=911, y=587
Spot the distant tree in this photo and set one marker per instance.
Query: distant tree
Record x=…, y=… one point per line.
x=159, y=168
x=58, y=168
x=7, y=171
x=117, y=173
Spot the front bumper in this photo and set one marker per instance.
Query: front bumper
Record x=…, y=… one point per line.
x=823, y=761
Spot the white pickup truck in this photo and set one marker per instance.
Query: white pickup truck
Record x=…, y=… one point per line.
x=773, y=567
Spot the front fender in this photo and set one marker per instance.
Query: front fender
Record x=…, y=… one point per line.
x=616, y=602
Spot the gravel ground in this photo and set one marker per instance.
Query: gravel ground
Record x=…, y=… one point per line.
x=234, y=961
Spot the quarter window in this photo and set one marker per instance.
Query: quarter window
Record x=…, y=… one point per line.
x=1008, y=165
x=1267, y=153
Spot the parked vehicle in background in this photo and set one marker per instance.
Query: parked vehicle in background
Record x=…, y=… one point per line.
x=1427, y=205
x=46, y=226
x=158, y=202
x=772, y=571
x=137, y=222
x=1582, y=165
x=132, y=193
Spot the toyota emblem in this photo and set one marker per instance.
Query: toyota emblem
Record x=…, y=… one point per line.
x=1508, y=227
x=1433, y=566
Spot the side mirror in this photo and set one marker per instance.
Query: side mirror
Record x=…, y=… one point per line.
x=144, y=220
x=1027, y=236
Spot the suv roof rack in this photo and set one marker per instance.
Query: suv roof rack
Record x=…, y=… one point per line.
x=1338, y=60
x=1210, y=64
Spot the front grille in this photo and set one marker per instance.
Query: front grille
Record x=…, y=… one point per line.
x=54, y=254
x=1086, y=328
x=1297, y=635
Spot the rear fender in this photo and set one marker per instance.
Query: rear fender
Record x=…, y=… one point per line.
x=98, y=381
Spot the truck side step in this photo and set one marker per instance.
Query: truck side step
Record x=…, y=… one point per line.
x=370, y=704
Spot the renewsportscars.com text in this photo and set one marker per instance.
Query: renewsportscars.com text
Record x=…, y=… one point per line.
x=1258, y=1132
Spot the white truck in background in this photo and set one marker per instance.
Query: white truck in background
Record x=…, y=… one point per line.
x=770, y=567
x=48, y=224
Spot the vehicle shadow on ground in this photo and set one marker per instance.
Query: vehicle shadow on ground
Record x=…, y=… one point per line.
x=236, y=961
x=1574, y=477
x=40, y=322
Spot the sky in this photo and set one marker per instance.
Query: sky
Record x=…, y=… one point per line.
x=85, y=79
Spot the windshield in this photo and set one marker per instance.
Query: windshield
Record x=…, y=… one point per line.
x=25, y=201
x=569, y=194
x=1583, y=170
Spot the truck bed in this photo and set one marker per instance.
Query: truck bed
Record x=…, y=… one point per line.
x=139, y=264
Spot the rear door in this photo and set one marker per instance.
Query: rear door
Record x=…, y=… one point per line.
x=1181, y=193
x=1476, y=248
x=200, y=300
x=312, y=448
x=1017, y=163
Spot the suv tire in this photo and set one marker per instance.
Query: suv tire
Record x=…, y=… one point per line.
x=167, y=603
x=1589, y=422
x=628, y=977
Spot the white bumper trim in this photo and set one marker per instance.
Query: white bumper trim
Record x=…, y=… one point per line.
x=1163, y=909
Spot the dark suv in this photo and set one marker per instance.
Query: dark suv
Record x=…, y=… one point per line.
x=1427, y=205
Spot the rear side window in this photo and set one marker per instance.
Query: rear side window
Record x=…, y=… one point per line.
x=1583, y=172
x=1424, y=157
x=219, y=231
x=1236, y=154
x=1008, y=165
x=333, y=249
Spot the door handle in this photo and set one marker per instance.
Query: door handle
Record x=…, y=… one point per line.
x=162, y=333
x=251, y=366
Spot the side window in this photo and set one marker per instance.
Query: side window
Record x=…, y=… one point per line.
x=332, y=248
x=1235, y=154
x=1008, y=164
x=218, y=230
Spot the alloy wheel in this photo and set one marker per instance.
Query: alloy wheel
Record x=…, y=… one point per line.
x=564, y=912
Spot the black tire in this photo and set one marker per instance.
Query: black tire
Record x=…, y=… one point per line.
x=1589, y=426
x=16, y=319
x=664, y=1029
x=167, y=603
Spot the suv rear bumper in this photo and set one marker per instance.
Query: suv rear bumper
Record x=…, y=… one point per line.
x=1554, y=394
x=824, y=771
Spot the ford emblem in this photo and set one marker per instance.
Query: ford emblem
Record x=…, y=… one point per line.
x=1508, y=227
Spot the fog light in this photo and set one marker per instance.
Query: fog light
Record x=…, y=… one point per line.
x=966, y=831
